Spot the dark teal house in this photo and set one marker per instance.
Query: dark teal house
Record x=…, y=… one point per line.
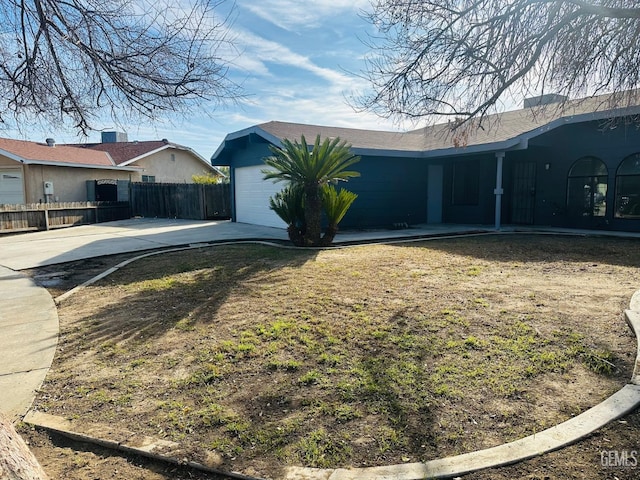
x=575, y=164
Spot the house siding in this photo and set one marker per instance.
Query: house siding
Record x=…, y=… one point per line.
x=180, y=169
x=390, y=191
x=393, y=189
x=69, y=184
x=483, y=211
x=561, y=148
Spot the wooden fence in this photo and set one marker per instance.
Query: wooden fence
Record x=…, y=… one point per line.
x=45, y=216
x=181, y=200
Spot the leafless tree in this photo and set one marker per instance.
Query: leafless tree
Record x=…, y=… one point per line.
x=76, y=60
x=464, y=59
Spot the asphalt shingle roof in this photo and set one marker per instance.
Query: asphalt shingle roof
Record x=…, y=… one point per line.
x=494, y=129
x=41, y=152
x=122, y=152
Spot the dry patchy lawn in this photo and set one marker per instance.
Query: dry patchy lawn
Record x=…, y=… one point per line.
x=363, y=356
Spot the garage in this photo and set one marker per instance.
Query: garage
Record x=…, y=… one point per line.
x=11, y=186
x=252, y=197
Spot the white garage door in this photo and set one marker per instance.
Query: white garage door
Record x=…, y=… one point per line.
x=11, y=191
x=252, y=197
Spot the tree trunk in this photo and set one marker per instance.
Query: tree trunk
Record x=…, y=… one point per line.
x=296, y=236
x=16, y=460
x=329, y=235
x=313, y=214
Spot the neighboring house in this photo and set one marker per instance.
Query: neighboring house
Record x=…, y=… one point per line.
x=33, y=172
x=541, y=165
x=161, y=161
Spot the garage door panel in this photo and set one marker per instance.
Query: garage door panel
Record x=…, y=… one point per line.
x=252, y=197
x=11, y=188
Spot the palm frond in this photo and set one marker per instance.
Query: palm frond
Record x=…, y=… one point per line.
x=336, y=203
x=288, y=204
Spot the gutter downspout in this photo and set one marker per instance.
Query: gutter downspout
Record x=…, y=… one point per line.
x=499, y=191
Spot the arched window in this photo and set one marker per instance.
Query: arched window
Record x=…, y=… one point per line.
x=628, y=187
x=587, y=188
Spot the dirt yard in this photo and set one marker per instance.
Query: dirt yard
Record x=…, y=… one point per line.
x=351, y=357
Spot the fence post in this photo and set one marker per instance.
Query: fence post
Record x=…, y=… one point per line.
x=46, y=218
x=203, y=202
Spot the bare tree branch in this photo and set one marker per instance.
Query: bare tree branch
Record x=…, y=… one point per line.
x=77, y=60
x=463, y=58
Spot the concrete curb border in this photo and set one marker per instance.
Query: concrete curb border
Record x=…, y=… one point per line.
x=127, y=442
x=59, y=299
x=623, y=402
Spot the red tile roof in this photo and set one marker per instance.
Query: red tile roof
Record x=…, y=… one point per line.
x=41, y=152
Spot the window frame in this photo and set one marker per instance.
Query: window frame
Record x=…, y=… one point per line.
x=627, y=205
x=594, y=203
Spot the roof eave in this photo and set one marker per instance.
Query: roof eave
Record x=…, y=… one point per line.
x=518, y=142
x=256, y=129
x=190, y=150
x=12, y=156
x=146, y=154
x=81, y=165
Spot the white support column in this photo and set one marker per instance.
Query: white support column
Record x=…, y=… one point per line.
x=499, y=190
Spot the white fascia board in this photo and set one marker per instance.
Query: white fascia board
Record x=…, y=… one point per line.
x=139, y=157
x=12, y=156
x=199, y=157
x=113, y=162
x=82, y=165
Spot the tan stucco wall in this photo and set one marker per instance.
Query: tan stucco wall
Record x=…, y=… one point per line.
x=69, y=184
x=7, y=162
x=166, y=170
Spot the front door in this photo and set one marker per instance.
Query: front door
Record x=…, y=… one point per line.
x=523, y=194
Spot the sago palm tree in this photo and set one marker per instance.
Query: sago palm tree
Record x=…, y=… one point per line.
x=335, y=203
x=288, y=205
x=311, y=170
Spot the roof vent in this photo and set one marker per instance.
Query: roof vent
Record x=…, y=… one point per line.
x=50, y=142
x=546, y=99
x=164, y=140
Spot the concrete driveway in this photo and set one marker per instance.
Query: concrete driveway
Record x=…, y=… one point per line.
x=36, y=249
x=28, y=315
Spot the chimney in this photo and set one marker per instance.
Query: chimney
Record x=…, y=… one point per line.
x=546, y=99
x=50, y=142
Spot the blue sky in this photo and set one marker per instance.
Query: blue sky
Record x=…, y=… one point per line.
x=293, y=61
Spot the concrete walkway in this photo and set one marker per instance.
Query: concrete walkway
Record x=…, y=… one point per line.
x=29, y=332
x=23, y=251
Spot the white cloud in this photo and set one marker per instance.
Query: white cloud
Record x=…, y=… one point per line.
x=257, y=52
x=294, y=15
